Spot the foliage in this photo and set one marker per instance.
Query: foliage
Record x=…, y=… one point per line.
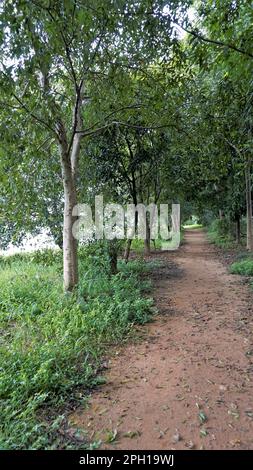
x=219, y=233
x=51, y=54
x=51, y=342
x=106, y=96
x=243, y=267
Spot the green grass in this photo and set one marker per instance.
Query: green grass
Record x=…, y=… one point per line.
x=138, y=245
x=51, y=343
x=193, y=226
x=243, y=267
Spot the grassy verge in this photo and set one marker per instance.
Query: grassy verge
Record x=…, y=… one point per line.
x=138, y=245
x=51, y=343
x=219, y=235
x=243, y=266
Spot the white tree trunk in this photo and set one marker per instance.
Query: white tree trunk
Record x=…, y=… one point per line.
x=69, y=164
x=70, y=152
x=70, y=261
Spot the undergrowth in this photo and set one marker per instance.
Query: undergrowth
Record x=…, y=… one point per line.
x=51, y=343
x=219, y=234
x=243, y=267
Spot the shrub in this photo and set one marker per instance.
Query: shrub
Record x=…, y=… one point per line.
x=243, y=267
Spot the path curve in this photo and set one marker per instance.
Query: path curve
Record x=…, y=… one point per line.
x=187, y=384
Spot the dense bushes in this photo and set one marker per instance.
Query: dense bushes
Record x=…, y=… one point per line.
x=51, y=342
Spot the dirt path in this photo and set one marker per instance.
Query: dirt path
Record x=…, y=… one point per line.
x=188, y=383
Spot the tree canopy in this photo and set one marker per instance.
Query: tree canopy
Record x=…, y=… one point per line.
x=147, y=101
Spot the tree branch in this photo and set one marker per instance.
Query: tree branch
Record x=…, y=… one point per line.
x=77, y=121
x=120, y=123
x=123, y=108
x=214, y=41
x=34, y=116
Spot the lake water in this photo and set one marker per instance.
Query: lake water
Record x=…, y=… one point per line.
x=31, y=243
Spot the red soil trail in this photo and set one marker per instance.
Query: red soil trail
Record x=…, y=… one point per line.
x=187, y=384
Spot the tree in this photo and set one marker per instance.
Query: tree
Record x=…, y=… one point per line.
x=56, y=56
x=221, y=61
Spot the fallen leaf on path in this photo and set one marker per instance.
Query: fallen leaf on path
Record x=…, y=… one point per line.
x=162, y=433
x=165, y=407
x=249, y=353
x=111, y=436
x=132, y=434
x=202, y=417
x=219, y=401
x=233, y=406
x=235, y=414
x=179, y=398
x=176, y=437
x=190, y=445
x=235, y=442
x=223, y=388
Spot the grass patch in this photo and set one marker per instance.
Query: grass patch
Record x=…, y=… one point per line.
x=193, y=226
x=138, y=245
x=51, y=343
x=243, y=267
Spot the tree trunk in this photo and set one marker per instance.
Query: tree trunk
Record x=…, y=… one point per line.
x=113, y=256
x=221, y=214
x=127, y=250
x=69, y=164
x=70, y=261
x=238, y=229
x=147, y=239
x=129, y=241
x=249, y=207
